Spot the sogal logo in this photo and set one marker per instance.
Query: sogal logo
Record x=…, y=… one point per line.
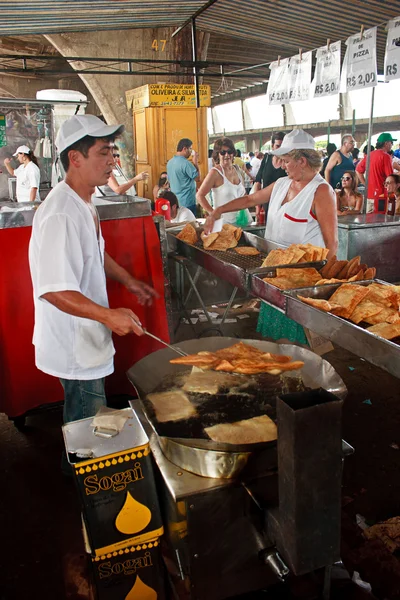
x=117, y=482
x=127, y=567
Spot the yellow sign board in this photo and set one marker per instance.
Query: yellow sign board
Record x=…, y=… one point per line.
x=167, y=94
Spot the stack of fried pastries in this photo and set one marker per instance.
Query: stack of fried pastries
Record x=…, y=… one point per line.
x=227, y=238
x=188, y=234
x=376, y=304
x=296, y=253
x=288, y=278
x=339, y=271
x=240, y=358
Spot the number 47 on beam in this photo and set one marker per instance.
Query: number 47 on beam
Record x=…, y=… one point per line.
x=159, y=45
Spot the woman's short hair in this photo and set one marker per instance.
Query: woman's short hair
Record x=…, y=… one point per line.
x=162, y=181
x=219, y=143
x=396, y=178
x=312, y=157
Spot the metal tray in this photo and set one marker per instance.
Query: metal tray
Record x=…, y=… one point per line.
x=228, y=265
x=381, y=353
x=272, y=294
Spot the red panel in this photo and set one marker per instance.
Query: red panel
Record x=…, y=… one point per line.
x=133, y=243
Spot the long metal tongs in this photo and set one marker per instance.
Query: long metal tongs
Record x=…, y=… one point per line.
x=174, y=348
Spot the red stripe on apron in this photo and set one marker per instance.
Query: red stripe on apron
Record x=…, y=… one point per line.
x=313, y=215
x=295, y=220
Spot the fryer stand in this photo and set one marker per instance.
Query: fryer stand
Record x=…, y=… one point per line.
x=181, y=263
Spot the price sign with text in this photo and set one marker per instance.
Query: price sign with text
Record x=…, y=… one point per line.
x=3, y=135
x=299, y=77
x=392, y=56
x=327, y=71
x=277, y=91
x=360, y=59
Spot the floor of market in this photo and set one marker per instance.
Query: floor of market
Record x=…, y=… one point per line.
x=42, y=554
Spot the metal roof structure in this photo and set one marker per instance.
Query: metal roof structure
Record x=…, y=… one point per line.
x=255, y=33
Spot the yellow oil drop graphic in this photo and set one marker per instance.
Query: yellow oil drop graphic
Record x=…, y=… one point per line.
x=141, y=591
x=133, y=516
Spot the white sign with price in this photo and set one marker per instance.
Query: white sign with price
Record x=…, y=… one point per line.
x=277, y=91
x=327, y=71
x=300, y=77
x=392, y=56
x=360, y=61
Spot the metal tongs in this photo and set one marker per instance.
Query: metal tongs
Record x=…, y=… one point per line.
x=174, y=348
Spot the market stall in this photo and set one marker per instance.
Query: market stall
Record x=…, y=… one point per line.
x=133, y=238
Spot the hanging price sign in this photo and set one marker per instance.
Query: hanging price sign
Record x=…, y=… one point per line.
x=327, y=71
x=360, y=59
x=300, y=77
x=3, y=135
x=277, y=91
x=392, y=56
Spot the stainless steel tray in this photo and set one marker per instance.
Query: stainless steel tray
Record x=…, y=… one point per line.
x=229, y=265
x=272, y=294
x=381, y=353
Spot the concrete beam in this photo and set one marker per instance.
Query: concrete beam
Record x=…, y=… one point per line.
x=109, y=90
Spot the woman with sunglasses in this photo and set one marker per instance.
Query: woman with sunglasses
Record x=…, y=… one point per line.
x=349, y=200
x=392, y=186
x=225, y=181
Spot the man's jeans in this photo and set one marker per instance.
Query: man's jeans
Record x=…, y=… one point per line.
x=82, y=399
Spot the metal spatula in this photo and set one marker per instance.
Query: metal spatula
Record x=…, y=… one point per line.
x=174, y=348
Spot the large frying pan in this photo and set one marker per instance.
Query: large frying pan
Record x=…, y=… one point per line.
x=204, y=456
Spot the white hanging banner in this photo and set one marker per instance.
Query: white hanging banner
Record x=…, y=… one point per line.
x=360, y=59
x=327, y=71
x=392, y=56
x=299, y=77
x=277, y=91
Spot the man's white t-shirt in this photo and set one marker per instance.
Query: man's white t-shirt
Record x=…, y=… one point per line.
x=183, y=214
x=65, y=255
x=255, y=166
x=27, y=177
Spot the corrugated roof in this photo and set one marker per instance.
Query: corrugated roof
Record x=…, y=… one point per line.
x=254, y=32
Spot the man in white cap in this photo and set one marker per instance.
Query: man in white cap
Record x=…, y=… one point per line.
x=73, y=322
x=27, y=174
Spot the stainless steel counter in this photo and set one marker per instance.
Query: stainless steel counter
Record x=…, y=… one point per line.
x=20, y=214
x=376, y=238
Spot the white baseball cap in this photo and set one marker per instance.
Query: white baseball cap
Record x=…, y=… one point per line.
x=22, y=150
x=79, y=126
x=298, y=139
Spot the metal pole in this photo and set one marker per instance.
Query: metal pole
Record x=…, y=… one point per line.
x=329, y=130
x=353, y=125
x=194, y=57
x=371, y=117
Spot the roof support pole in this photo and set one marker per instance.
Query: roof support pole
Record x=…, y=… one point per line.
x=371, y=119
x=194, y=58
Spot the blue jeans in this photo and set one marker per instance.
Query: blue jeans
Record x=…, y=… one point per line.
x=192, y=207
x=82, y=399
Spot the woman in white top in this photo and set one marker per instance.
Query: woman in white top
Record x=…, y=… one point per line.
x=27, y=174
x=302, y=209
x=224, y=180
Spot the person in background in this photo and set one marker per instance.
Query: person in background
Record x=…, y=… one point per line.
x=163, y=186
x=271, y=168
x=120, y=189
x=179, y=214
x=340, y=161
x=302, y=210
x=27, y=174
x=392, y=186
x=396, y=153
x=225, y=180
x=365, y=149
x=238, y=160
x=349, y=200
x=183, y=174
x=355, y=153
x=69, y=266
x=255, y=163
x=210, y=159
x=380, y=166
x=156, y=188
x=330, y=149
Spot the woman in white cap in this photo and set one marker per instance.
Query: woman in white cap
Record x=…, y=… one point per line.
x=27, y=174
x=302, y=209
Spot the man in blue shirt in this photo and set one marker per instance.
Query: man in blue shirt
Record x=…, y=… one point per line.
x=396, y=153
x=182, y=174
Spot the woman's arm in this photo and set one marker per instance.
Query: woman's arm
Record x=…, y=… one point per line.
x=324, y=208
x=332, y=162
x=209, y=182
x=8, y=166
x=261, y=197
x=124, y=187
x=32, y=194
